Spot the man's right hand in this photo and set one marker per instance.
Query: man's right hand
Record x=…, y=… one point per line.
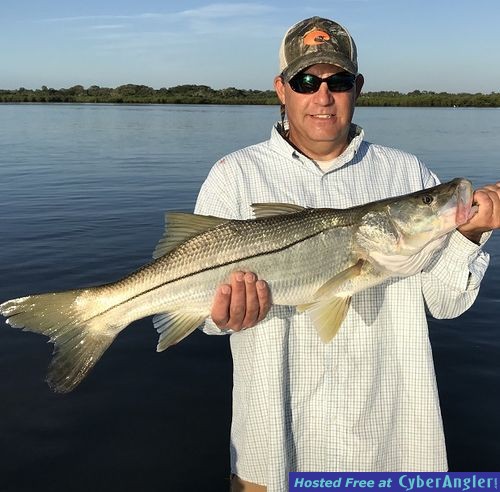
x=242, y=303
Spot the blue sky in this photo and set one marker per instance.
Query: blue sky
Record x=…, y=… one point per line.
x=440, y=45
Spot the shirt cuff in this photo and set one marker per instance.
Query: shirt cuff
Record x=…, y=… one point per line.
x=210, y=328
x=462, y=263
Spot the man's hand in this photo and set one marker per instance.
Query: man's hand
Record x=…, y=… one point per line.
x=487, y=217
x=242, y=303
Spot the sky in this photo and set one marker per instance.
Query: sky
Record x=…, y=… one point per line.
x=403, y=45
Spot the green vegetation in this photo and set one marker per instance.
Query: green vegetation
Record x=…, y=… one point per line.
x=137, y=94
x=202, y=94
x=430, y=99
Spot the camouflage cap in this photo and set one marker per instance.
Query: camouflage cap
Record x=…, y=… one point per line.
x=317, y=40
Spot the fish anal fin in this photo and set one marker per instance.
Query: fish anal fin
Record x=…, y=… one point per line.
x=175, y=326
x=262, y=210
x=327, y=316
x=181, y=226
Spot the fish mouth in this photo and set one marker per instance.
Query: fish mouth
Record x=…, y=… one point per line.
x=465, y=209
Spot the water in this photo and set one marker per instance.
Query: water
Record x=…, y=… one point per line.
x=84, y=188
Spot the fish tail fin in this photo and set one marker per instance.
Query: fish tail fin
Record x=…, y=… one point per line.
x=71, y=319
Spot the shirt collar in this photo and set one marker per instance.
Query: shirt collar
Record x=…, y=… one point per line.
x=281, y=145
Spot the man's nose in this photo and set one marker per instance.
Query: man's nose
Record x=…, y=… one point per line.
x=324, y=95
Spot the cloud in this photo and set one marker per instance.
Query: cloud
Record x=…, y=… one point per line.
x=147, y=31
x=225, y=10
x=108, y=26
x=213, y=11
x=83, y=18
x=222, y=19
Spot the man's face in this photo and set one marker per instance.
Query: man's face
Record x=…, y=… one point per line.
x=319, y=123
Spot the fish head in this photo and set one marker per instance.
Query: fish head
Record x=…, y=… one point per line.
x=405, y=225
x=426, y=215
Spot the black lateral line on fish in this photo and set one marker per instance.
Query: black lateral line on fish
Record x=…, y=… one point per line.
x=264, y=253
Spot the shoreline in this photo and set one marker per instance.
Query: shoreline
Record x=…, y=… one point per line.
x=200, y=94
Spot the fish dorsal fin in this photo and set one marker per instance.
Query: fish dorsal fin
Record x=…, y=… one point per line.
x=329, y=310
x=181, y=226
x=262, y=210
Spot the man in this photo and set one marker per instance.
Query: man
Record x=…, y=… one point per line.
x=367, y=401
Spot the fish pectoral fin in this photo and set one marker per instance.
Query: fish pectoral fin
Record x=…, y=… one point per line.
x=181, y=226
x=327, y=316
x=175, y=326
x=261, y=210
x=328, y=310
x=332, y=286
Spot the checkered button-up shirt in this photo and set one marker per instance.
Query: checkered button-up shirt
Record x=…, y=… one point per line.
x=367, y=401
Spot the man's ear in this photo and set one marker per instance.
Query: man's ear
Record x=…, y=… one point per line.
x=279, y=87
x=360, y=80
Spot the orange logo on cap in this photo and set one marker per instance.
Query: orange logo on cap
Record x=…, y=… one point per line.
x=316, y=37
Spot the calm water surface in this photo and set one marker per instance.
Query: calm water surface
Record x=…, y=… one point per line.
x=84, y=188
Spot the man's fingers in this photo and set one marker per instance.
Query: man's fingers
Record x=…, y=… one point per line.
x=242, y=304
x=258, y=297
x=488, y=201
x=220, y=306
x=487, y=216
x=237, y=308
x=264, y=296
x=489, y=192
x=252, y=301
x=493, y=187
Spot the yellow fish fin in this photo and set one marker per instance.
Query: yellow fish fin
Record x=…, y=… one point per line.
x=261, y=210
x=327, y=316
x=173, y=327
x=329, y=310
x=181, y=226
x=332, y=286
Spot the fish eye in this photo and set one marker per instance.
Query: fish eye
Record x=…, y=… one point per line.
x=427, y=199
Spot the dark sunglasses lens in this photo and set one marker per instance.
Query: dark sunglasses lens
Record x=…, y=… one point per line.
x=341, y=82
x=306, y=83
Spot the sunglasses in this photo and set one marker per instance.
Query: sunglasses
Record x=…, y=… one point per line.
x=307, y=83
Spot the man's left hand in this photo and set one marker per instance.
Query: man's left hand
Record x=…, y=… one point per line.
x=487, y=217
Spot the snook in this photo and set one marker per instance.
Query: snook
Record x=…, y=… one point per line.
x=315, y=259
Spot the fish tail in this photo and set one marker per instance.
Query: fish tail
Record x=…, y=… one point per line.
x=80, y=334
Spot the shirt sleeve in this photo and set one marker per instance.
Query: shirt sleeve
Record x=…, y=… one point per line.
x=217, y=197
x=451, y=281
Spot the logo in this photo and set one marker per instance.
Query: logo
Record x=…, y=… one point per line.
x=314, y=38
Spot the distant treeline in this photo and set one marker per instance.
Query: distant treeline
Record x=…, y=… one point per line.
x=131, y=93
x=202, y=94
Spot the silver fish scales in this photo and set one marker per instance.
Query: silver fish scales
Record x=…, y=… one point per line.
x=314, y=259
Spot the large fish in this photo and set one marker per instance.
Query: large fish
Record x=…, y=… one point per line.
x=315, y=259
